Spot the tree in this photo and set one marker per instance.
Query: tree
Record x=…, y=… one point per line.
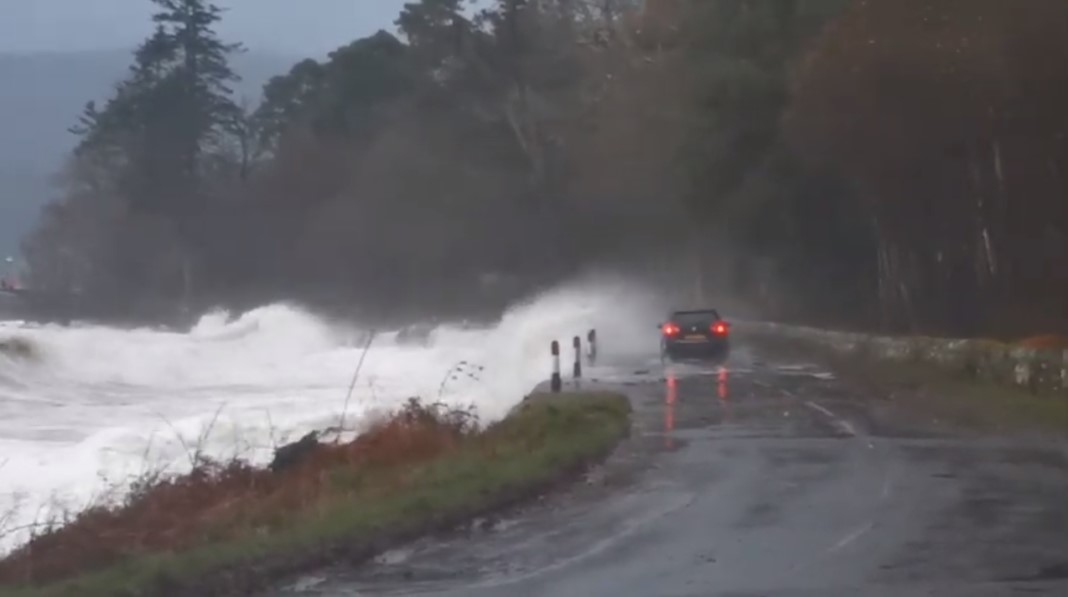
x=533, y=137
x=173, y=110
x=153, y=146
x=944, y=114
x=287, y=101
x=735, y=58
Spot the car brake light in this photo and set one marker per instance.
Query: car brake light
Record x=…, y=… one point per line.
x=670, y=329
x=719, y=328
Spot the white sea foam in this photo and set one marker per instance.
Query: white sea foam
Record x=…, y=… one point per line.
x=96, y=405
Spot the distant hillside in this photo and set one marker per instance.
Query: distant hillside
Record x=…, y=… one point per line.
x=41, y=96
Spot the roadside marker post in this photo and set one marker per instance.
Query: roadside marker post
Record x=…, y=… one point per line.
x=555, y=382
x=577, y=373
x=591, y=340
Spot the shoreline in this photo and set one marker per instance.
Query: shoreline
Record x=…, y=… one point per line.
x=398, y=483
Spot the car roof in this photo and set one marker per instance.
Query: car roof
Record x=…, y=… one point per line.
x=695, y=312
x=684, y=311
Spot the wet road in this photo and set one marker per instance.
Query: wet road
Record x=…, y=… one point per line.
x=760, y=479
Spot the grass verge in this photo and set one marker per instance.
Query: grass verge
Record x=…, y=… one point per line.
x=233, y=530
x=920, y=389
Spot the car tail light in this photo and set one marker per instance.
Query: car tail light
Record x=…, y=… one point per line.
x=720, y=328
x=670, y=329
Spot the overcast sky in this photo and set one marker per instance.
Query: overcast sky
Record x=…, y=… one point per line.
x=292, y=27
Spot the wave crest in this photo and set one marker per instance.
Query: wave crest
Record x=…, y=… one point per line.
x=104, y=396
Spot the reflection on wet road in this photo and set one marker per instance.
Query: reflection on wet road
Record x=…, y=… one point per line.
x=759, y=479
x=671, y=384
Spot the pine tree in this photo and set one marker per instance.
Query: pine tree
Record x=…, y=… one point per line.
x=150, y=154
x=202, y=74
x=173, y=109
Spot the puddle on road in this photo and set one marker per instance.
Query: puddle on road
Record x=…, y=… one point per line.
x=653, y=371
x=1057, y=571
x=804, y=370
x=394, y=557
x=1054, y=572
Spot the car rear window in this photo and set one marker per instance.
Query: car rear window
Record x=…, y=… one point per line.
x=696, y=318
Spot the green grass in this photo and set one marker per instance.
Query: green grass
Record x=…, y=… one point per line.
x=540, y=444
x=933, y=392
x=954, y=398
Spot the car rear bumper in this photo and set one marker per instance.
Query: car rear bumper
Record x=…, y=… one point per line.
x=697, y=350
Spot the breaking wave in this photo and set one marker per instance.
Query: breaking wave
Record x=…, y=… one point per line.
x=96, y=406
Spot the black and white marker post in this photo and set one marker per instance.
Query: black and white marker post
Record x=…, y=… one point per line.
x=555, y=383
x=591, y=341
x=577, y=372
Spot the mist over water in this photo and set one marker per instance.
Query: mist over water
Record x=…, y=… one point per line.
x=93, y=407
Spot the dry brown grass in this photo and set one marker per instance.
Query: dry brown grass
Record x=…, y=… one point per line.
x=1045, y=342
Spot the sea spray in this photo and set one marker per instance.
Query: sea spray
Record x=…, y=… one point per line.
x=104, y=404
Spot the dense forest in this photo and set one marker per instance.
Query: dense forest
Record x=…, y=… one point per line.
x=892, y=164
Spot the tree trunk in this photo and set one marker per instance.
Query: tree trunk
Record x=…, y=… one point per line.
x=984, y=264
x=527, y=132
x=896, y=300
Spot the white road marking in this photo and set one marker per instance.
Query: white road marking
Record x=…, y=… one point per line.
x=842, y=424
x=851, y=537
x=840, y=545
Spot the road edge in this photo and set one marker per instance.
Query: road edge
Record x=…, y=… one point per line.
x=962, y=385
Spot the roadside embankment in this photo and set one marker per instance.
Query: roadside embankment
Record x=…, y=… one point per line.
x=980, y=383
x=230, y=529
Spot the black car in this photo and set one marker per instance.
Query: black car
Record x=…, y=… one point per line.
x=694, y=335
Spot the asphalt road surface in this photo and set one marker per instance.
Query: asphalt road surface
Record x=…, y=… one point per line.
x=759, y=479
